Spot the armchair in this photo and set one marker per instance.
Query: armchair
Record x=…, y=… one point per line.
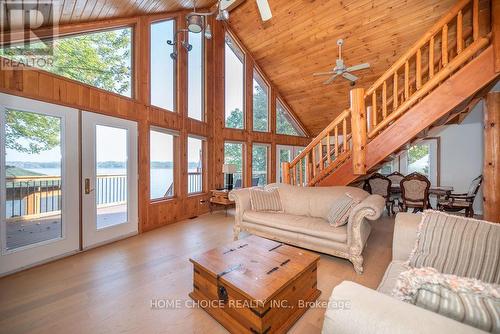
x=415, y=192
x=465, y=201
x=378, y=184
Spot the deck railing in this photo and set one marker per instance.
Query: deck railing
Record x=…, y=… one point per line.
x=35, y=196
x=195, y=182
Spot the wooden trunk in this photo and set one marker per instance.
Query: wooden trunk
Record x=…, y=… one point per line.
x=255, y=285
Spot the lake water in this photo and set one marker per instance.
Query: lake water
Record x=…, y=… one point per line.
x=161, y=179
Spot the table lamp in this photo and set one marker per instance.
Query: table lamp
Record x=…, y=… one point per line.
x=229, y=170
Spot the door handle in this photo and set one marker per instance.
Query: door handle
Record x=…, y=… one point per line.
x=88, y=190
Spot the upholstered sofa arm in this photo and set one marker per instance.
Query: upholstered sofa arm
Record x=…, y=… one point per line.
x=242, y=199
x=353, y=309
x=405, y=235
x=358, y=231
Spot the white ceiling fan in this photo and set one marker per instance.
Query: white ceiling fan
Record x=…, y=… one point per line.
x=341, y=69
x=225, y=6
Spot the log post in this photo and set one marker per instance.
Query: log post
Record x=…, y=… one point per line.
x=491, y=168
x=285, y=172
x=358, y=130
x=495, y=27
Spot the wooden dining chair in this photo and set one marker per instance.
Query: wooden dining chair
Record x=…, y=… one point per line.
x=395, y=178
x=465, y=201
x=380, y=185
x=415, y=192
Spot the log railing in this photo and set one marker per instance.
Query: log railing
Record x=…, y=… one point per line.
x=325, y=153
x=446, y=47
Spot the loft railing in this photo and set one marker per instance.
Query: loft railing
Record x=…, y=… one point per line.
x=445, y=47
x=448, y=45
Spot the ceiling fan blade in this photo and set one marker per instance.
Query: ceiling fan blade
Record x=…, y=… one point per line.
x=264, y=9
x=358, y=67
x=350, y=76
x=329, y=81
x=323, y=73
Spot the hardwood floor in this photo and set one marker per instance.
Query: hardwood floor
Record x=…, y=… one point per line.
x=110, y=289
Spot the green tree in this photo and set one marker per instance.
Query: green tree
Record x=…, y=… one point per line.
x=99, y=59
x=31, y=133
x=283, y=124
x=260, y=108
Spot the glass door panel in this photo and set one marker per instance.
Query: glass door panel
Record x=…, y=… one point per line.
x=39, y=197
x=109, y=172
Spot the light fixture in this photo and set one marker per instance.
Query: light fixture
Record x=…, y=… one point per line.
x=222, y=15
x=195, y=22
x=208, y=32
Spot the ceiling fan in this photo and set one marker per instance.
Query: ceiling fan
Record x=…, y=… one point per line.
x=341, y=69
x=225, y=6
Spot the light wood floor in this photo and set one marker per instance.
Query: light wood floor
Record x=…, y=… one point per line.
x=109, y=289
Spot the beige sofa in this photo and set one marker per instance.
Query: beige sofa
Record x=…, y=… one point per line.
x=377, y=312
x=303, y=222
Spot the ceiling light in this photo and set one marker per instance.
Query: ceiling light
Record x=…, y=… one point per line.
x=208, y=32
x=195, y=23
x=222, y=15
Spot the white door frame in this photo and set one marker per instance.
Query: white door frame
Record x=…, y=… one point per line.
x=30, y=255
x=91, y=236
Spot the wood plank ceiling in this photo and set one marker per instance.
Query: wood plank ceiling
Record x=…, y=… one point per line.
x=301, y=38
x=77, y=11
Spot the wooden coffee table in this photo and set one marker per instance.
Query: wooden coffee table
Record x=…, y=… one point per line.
x=255, y=285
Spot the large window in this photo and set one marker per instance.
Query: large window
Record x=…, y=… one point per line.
x=195, y=165
x=233, y=154
x=285, y=123
x=196, y=76
x=260, y=103
x=161, y=164
x=260, y=154
x=234, y=85
x=162, y=65
x=101, y=59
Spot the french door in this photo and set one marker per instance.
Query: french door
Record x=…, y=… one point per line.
x=109, y=179
x=39, y=188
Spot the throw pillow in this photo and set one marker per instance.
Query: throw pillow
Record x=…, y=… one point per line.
x=457, y=245
x=340, y=210
x=265, y=200
x=467, y=300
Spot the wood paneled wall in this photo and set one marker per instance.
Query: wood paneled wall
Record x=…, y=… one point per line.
x=40, y=85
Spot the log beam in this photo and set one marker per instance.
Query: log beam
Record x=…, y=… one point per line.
x=358, y=130
x=491, y=168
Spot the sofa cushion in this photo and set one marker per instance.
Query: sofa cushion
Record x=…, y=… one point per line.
x=457, y=245
x=340, y=210
x=467, y=300
x=315, y=227
x=265, y=200
x=391, y=275
x=313, y=201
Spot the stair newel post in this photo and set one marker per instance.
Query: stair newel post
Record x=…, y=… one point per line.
x=358, y=130
x=285, y=171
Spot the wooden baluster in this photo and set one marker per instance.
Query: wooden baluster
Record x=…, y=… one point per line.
x=419, y=69
x=431, y=57
x=395, y=91
x=307, y=176
x=374, y=109
x=384, y=100
x=444, y=45
x=301, y=183
x=321, y=165
x=460, y=38
x=336, y=141
x=407, y=80
x=313, y=161
x=294, y=175
x=344, y=135
x=328, y=149
x=475, y=19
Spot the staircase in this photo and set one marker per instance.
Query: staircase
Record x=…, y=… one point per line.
x=440, y=75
